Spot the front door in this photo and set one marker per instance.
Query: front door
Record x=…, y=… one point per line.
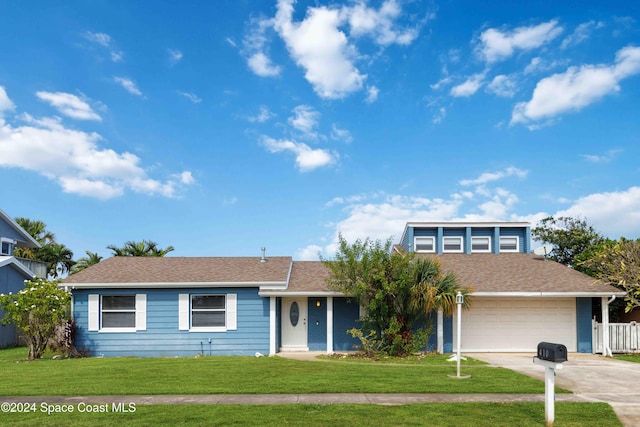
x=294, y=324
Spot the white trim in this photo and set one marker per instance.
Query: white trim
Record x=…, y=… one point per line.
x=487, y=238
x=30, y=241
x=163, y=285
x=440, y=331
x=329, y=325
x=232, y=312
x=517, y=249
x=93, y=312
x=116, y=330
x=11, y=260
x=462, y=224
x=547, y=294
x=141, y=312
x=431, y=238
x=459, y=238
x=299, y=294
x=272, y=326
x=11, y=244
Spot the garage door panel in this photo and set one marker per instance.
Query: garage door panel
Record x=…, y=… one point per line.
x=517, y=324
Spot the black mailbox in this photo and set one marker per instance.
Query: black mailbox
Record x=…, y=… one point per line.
x=552, y=352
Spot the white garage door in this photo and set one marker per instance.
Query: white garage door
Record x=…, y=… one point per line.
x=517, y=324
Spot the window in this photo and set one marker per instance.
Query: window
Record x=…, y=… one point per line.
x=481, y=244
x=509, y=244
x=207, y=313
x=6, y=247
x=424, y=244
x=452, y=244
x=117, y=313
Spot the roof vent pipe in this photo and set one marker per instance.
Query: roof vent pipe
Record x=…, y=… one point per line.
x=263, y=258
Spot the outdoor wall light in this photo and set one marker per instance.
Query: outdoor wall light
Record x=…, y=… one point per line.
x=317, y=303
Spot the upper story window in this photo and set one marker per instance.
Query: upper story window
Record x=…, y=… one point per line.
x=6, y=247
x=424, y=244
x=452, y=244
x=509, y=244
x=480, y=244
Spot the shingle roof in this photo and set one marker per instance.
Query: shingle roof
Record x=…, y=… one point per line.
x=308, y=276
x=184, y=270
x=518, y=272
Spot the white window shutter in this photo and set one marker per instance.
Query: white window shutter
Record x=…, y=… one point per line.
x=141, y=312
x=183, y=312
x=232, y=312
x=93, y=313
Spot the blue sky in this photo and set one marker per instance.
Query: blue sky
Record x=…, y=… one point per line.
x=220, y=127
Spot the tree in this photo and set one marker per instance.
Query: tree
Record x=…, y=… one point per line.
x=619, y=265
x=573, y=240
x=143, y=248
x=58, y=257
x=92, y=258
x=37, y=230
x=37, y=309
x=397, y=291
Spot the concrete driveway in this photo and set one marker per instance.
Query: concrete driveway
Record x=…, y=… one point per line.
x=592, y=377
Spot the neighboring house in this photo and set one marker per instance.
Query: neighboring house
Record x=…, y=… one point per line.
x=172, y=306
x=13, y=271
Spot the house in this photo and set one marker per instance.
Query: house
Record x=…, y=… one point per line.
x=13, y=271
x=183, y=306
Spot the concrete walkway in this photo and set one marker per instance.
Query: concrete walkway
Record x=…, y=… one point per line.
x=591, y=377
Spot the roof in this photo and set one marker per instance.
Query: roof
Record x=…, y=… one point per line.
x=307, y=278
x=520, y=273
x=25, y=240
x=12, y=261
x=132, y=271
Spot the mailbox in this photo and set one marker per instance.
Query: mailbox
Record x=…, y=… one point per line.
x=552, y=352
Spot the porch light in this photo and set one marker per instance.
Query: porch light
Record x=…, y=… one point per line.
x=459, y=298
x=318, y=303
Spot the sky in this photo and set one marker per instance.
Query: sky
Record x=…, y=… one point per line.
x=220, y=127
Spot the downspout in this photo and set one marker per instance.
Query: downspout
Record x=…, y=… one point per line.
x=606, y=348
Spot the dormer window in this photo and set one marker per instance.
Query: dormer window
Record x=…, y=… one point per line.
x=480, y=244
x=452, y=244
x=6, y=247
x=509, y=244
x=424, y=244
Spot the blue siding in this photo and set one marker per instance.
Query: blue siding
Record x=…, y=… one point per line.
x=448, y=334
x=583, y=322
x=523, y=236
x=317, y=329
x=345, y=316
x=162, y=337
x=11, y=280
x=407, y=242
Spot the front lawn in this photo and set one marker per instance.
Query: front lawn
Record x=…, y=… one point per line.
x=432, y=414
x=635, y=357
x=245, y=375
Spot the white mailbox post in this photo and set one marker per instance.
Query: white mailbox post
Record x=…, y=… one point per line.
x=550, y=356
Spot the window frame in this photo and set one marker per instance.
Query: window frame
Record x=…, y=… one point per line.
x=10, y=244
x=517, y=248
x=185, y=312
x=433, y=244
x=444, y=244
x=95, y=309
x=207, y=328
x=487, y=239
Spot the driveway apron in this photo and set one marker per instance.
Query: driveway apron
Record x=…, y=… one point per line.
x=592, y=377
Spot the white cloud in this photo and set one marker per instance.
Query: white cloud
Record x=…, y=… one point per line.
x=305, y=120
x=75, y=161
x=5, y=102
x=128, y=84
x=602, y=158
x=262, y=65
x=439, y=116
x=379, y=24
x=616, y=213
x=503, y=85
x=70, y=105
x=487, y=177
x=264, y=115
x=190, y=96
x=577, y=87
x=310, y=253
x=105, y=41
x=372, y=94
x=231, y=42
x=580, y=34
x=341, y=134
x=230, y=201
x=496, y=45
x=468, y=87
x=317, y=45
x=174, y=56
x=307, y=159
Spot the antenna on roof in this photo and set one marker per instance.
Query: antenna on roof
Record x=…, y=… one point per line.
x=263, y=258
x=543, y=250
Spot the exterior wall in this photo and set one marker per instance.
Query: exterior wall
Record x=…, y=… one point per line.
x=345, y=316
x=11, y=280
x=9, y=232
x=523, y=233
x=162, y=336
x=448, y=335
x=583, y=325
x=317, y=326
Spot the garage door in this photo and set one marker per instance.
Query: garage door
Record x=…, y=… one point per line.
x=517, y=324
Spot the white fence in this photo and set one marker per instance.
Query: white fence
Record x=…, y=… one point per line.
x=623, y=337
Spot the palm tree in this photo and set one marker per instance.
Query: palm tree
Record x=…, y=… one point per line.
x=434, y=290
x=143, y=248
x=37, y=230
x=58, y=257
x=92, y=258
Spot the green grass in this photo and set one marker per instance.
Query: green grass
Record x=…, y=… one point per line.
x=245, y=375
x=432, y=414
x=628, y=357
x=422, y=359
